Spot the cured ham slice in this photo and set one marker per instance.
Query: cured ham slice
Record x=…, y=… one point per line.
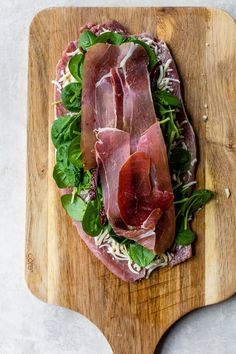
x=98, y=98
x=160, y=176
x=136, y=197
x=138, y=109
x=112, y=150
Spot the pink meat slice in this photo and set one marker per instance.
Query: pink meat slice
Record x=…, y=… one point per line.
x=138, y=108
x=152, y=143
x=98, y=96
x=117, y=267
x=112, y=150
x=136, y=197
x=181, y=254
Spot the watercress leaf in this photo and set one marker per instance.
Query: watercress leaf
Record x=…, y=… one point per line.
x=64, y=129
x=65, y=176
x=87, y=39
x=166, y=99
x=74, y=152
x=71, y=96
x=75, y=64
x=184, y=237
x=180, y=160
x=76, y=209
x=140, y=255
x=91, y=219
x=196, y=201
x=150, y=52
x=110, y=37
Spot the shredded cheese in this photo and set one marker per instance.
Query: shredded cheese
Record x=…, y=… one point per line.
x=120, y=252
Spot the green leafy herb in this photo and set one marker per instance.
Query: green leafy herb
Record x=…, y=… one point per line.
x=71, y=96
x=180, y=160
x=150, y=52
x=165, y=98
x=186, y=207
x=66, y=176
x=75, y=66
x=86, y=180
x=166, y=105
x=110, y=37
x=65, y=129
x=91, y=220
x=87, y=39
x=184, y=237
x=196, y=201
x=62, y=153
x=74, y=152
x=75, y=208
x=140, y=255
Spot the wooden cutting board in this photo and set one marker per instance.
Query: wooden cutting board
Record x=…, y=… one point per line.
x=59, y=267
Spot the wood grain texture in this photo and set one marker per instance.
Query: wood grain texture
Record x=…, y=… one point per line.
x=59, y=267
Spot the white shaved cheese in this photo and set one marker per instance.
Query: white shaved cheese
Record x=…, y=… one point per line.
x=205, y=118
x=159, y=262
x=57, y=84
x=227, y=193
x=205, y=105
x=174, y=177
x=193, y=162
x=120, y=253
x=164, y=81
x=187, y=185
x=131, y=268
x=184, y=145
x=71, y=54
x=184, y=122
x=65, y=76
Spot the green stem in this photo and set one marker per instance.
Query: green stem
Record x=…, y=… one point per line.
x=164, y=120
x=180, y=201
x=73, y=97
x=73, y=194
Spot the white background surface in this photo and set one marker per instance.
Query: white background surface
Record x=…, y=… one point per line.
x=28, y=326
